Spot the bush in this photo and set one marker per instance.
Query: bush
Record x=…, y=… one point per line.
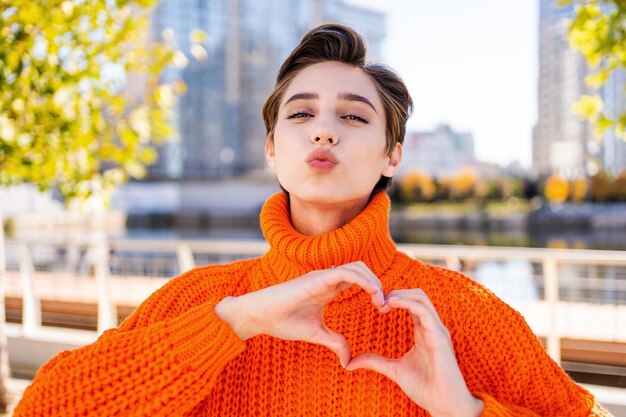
x=556, y=189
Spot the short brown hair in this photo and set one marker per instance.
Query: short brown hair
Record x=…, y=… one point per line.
x=337, y=42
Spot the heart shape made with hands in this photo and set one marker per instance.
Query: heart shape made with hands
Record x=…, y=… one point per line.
x=419, y=308
x=313, y=292
x=428, y=372
x=294, y=310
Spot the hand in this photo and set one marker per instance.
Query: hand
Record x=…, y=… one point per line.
x=294, y=310
x=428, y=373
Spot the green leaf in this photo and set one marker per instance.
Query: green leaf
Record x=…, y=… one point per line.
x=60, y=120
x=198, y=36
x=148, y=155
x=588, y=106
x=597, y=79
x=602, y=124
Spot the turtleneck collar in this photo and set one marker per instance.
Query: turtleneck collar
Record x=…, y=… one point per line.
x=291, y=254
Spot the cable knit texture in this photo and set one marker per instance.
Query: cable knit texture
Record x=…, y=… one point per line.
x=174, y=357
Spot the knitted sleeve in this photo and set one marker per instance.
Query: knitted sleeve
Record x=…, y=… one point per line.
x=163, y=360
x=502, y=360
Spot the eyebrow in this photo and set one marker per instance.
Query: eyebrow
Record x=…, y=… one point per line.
x=302, y=96
x=356, y=97
x=341, y=96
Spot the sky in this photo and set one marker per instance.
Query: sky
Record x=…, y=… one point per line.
x=470, y=64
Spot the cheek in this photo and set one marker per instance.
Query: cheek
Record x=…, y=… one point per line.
x=285, y=157
x=283, y=150
x=373, y=150
x=288, y=142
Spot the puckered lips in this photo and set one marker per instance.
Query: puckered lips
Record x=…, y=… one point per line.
x=321, y=160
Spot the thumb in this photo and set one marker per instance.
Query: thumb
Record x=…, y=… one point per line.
x=375, y=363
x=337, y=344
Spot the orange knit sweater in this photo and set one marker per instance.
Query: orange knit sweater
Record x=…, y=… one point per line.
x=174, y=357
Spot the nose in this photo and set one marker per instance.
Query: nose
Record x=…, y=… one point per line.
x=324, y=132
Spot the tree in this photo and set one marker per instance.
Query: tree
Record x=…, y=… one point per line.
x=598, y=32
x=578, y=189
x=605, y=188
x=463, y=184
x=619, y=187
x=601, y=188
x=67, y=119
x=416, y=185
x=556, y=189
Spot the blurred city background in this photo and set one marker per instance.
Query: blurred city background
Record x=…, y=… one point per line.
x=124, y=165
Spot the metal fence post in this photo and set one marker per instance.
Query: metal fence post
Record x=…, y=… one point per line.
x=186, y=261
x=107, y=312
x=453, y=263
x=551, y=285
x=31, y=306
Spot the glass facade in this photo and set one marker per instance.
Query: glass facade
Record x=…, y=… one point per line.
x=219, y=123
x=561, y=82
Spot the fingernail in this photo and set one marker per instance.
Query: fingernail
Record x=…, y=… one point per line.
x=382, y=298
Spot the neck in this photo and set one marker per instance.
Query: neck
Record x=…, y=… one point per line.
x=313, y=219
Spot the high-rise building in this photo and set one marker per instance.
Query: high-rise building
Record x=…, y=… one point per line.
x=220, y=129
x=560, y=139
x=562, y=142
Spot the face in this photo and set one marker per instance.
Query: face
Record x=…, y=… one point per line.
x=329, y=140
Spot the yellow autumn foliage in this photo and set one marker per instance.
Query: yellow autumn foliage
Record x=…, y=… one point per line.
x=417, y=185
x=462, y=184
x=578, y=189
x=556, y=189
x=597, y=31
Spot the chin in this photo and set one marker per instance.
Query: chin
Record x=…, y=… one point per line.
x=327, y=195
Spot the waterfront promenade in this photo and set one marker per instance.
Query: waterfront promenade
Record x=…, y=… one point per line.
x=61, y=294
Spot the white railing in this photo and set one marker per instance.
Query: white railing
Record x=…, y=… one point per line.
x=100, y=257
x=549, y=259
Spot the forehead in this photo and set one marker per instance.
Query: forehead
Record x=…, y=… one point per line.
x=329, y=79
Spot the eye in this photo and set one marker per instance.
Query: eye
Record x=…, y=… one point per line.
x=355, y=118
x=299, y=115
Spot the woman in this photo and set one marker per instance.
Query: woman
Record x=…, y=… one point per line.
x=332, y=320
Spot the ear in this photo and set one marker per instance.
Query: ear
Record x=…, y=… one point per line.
x=269, y=151
x=393, y=161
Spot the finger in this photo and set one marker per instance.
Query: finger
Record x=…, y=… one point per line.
x=422, y=315
x=378, y=299
x=418, y=295
x=356, y=276
x=337, y=344
x=386, y=308
x=364, y=269
x=413, y=294
x=376, y=363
